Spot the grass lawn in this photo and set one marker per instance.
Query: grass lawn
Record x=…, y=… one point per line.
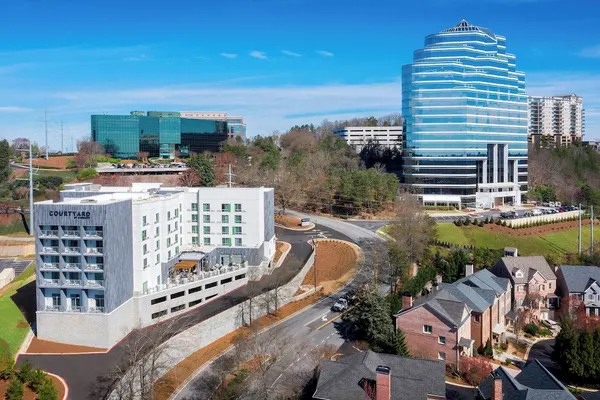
x=67, y=176
x=558, y=244
x=13, y=325
x=14, y=227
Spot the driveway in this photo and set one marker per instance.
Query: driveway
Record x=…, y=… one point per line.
x=86, y=373
x=542, y=351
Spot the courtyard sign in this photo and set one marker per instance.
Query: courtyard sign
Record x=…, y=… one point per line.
x=73, y=214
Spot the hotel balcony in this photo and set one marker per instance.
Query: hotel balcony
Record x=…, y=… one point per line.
x=49, y=266
x=97, y=310
x=71, y=250
x=93, y=250
x=94, y=284
x=49, y=282
x=52, y=308
x=74, y=309
x=72, y=266
x=72, y=282
x=49, y=250
x=94, y=267
x=48, y=233
x=70, y=234
x=93, y=234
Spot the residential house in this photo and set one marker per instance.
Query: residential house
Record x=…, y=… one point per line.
x=533, y=282
x=534, y=382
x=453, y=318
x=377, y=376
x=579, y=285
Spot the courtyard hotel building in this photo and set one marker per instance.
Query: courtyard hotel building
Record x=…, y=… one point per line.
x=465, y=111
x=112, y=259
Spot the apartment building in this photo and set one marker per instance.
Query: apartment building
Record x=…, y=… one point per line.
x=557, y=120
x=358, y=136
x=454, y=318
x=533, y=282
x=111, y=259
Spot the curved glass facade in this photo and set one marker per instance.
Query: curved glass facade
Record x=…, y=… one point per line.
x=465, y=112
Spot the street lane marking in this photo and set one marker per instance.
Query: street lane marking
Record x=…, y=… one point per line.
x=333, y=319
x=324, y=318
x=280, y=375
x=314, y=319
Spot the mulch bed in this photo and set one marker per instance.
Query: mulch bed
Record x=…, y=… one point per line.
x=287, y=221
x=536, y=230
x=28, y=394
x=39, y=346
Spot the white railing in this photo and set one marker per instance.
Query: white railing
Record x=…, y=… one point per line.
x=74, y=309
x=93, y=250
x=52, y=308
x=94, y=283
x=96, y=309
x=50, y=265
x=50, y=282
x=49, y=233
x=50, y=250
x=71, y=250
x=71, y=233
x=93, y=233
x=72, y=266
x=94, y=267
x=72, y=282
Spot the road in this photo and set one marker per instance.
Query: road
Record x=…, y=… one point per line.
x=86, y=373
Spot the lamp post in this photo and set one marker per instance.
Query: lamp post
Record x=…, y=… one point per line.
x=317, y=235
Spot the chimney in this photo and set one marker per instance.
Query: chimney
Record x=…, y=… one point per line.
x=383, y=383
x=496, y=387
x=407, y=301
x=468, y=269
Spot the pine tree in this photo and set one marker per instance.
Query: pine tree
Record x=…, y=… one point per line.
x=587, y=364
x=401, y=347
x=4, y=161
x=205, y=168
x=15, y=389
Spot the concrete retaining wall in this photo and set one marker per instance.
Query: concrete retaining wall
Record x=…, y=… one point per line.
x=542, y=218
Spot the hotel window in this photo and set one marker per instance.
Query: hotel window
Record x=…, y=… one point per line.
x=176, y=226
x=176, y=238
x=157, y=244
x=157, y=232
x=75, y=300
x=168, y=215
x=169, y=255
x=441, y=355
x=207, y=241
x=145, y=263
x=225, y=207
x=143, y=235
x=194, y=217
x=238, y=208
x=144, y=222
x=145, y=249
x=158, y=258
x=238, y=241
x=442, y=339
x=224, y=219
x=206, y=219
x=99, y=300
x=225, y=230
x=206, y=207
x=157, y=218
x=226, y=241
x=194, y=240
x=238, y=219
x=176, y=213
x=206, y=230
x=237, y=230
x=56, y=299
x=169, y=243
x=194, y=228
x=427, y=329
x=194, y=206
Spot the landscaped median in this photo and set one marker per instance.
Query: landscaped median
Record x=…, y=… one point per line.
x=336, y=263
x=293, y=223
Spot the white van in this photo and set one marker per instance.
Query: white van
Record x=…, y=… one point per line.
x=536, y=212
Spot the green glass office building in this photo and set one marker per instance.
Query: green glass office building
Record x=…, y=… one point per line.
x=161, y=134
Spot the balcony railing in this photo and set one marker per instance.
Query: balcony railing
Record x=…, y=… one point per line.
x=71, y=233
x=94, y=267
x=96, y=309
x=93, y=234
x=50, y=282
x=72, y=266
x=71, y=250
x=50, y=266
x=74, y=309
x=48, y=233
x=94, y=283
x=52, y=308
x=93, y=250
x=49, y=250
x=72, y=282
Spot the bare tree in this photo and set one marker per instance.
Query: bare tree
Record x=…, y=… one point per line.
x=142, y=156
x=190, y=178
x=87, y=152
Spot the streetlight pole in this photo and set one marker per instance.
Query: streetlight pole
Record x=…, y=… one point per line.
x=579, y=232
x=320, y=235
x=30, y=191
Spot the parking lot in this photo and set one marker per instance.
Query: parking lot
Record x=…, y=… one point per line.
x=18, y=265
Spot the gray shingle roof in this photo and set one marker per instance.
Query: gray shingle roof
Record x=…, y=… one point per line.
x=411, y=378
x=534, y=382
x=577, y=277
x=528, y=265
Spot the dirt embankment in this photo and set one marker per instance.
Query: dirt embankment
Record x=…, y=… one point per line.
x=336, y=263
x=287, y=221
x=536, y=230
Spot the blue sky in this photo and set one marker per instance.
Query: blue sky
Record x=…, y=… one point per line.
x=276, y=62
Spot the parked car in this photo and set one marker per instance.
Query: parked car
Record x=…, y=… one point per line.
x=509, y=215
x=528, y=213
x=536, y=212
x=350, y=296
x=340, y=305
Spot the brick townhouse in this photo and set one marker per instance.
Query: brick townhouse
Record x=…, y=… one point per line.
x=454, y=318
x=579, y=286
x=533, y=282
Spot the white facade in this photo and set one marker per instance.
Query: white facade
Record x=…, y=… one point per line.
x=109, y=252
x=561, y=118
x=359, y=136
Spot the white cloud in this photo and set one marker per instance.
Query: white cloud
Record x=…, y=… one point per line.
x=325, y=53
x=228, y=55
x=14, y=109
x=590, y=52
x=258, y=54
x=141, y=57
x=291, y=53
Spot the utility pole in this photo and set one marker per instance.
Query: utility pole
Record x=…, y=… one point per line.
x=62, y=148
x=229, y=176
x=579, y=232
x=591, y=230
x=72, y=145
x=30, y=190
x=46, y=129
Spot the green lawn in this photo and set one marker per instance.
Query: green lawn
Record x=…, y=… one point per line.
x=558, y=244
x=15, y=227
x=13, y=325
x=67, y=175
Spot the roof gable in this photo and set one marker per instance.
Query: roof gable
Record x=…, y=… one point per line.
x=577, y=277
x=525, y=264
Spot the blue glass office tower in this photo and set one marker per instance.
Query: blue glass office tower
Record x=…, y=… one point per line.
x=465, y=112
